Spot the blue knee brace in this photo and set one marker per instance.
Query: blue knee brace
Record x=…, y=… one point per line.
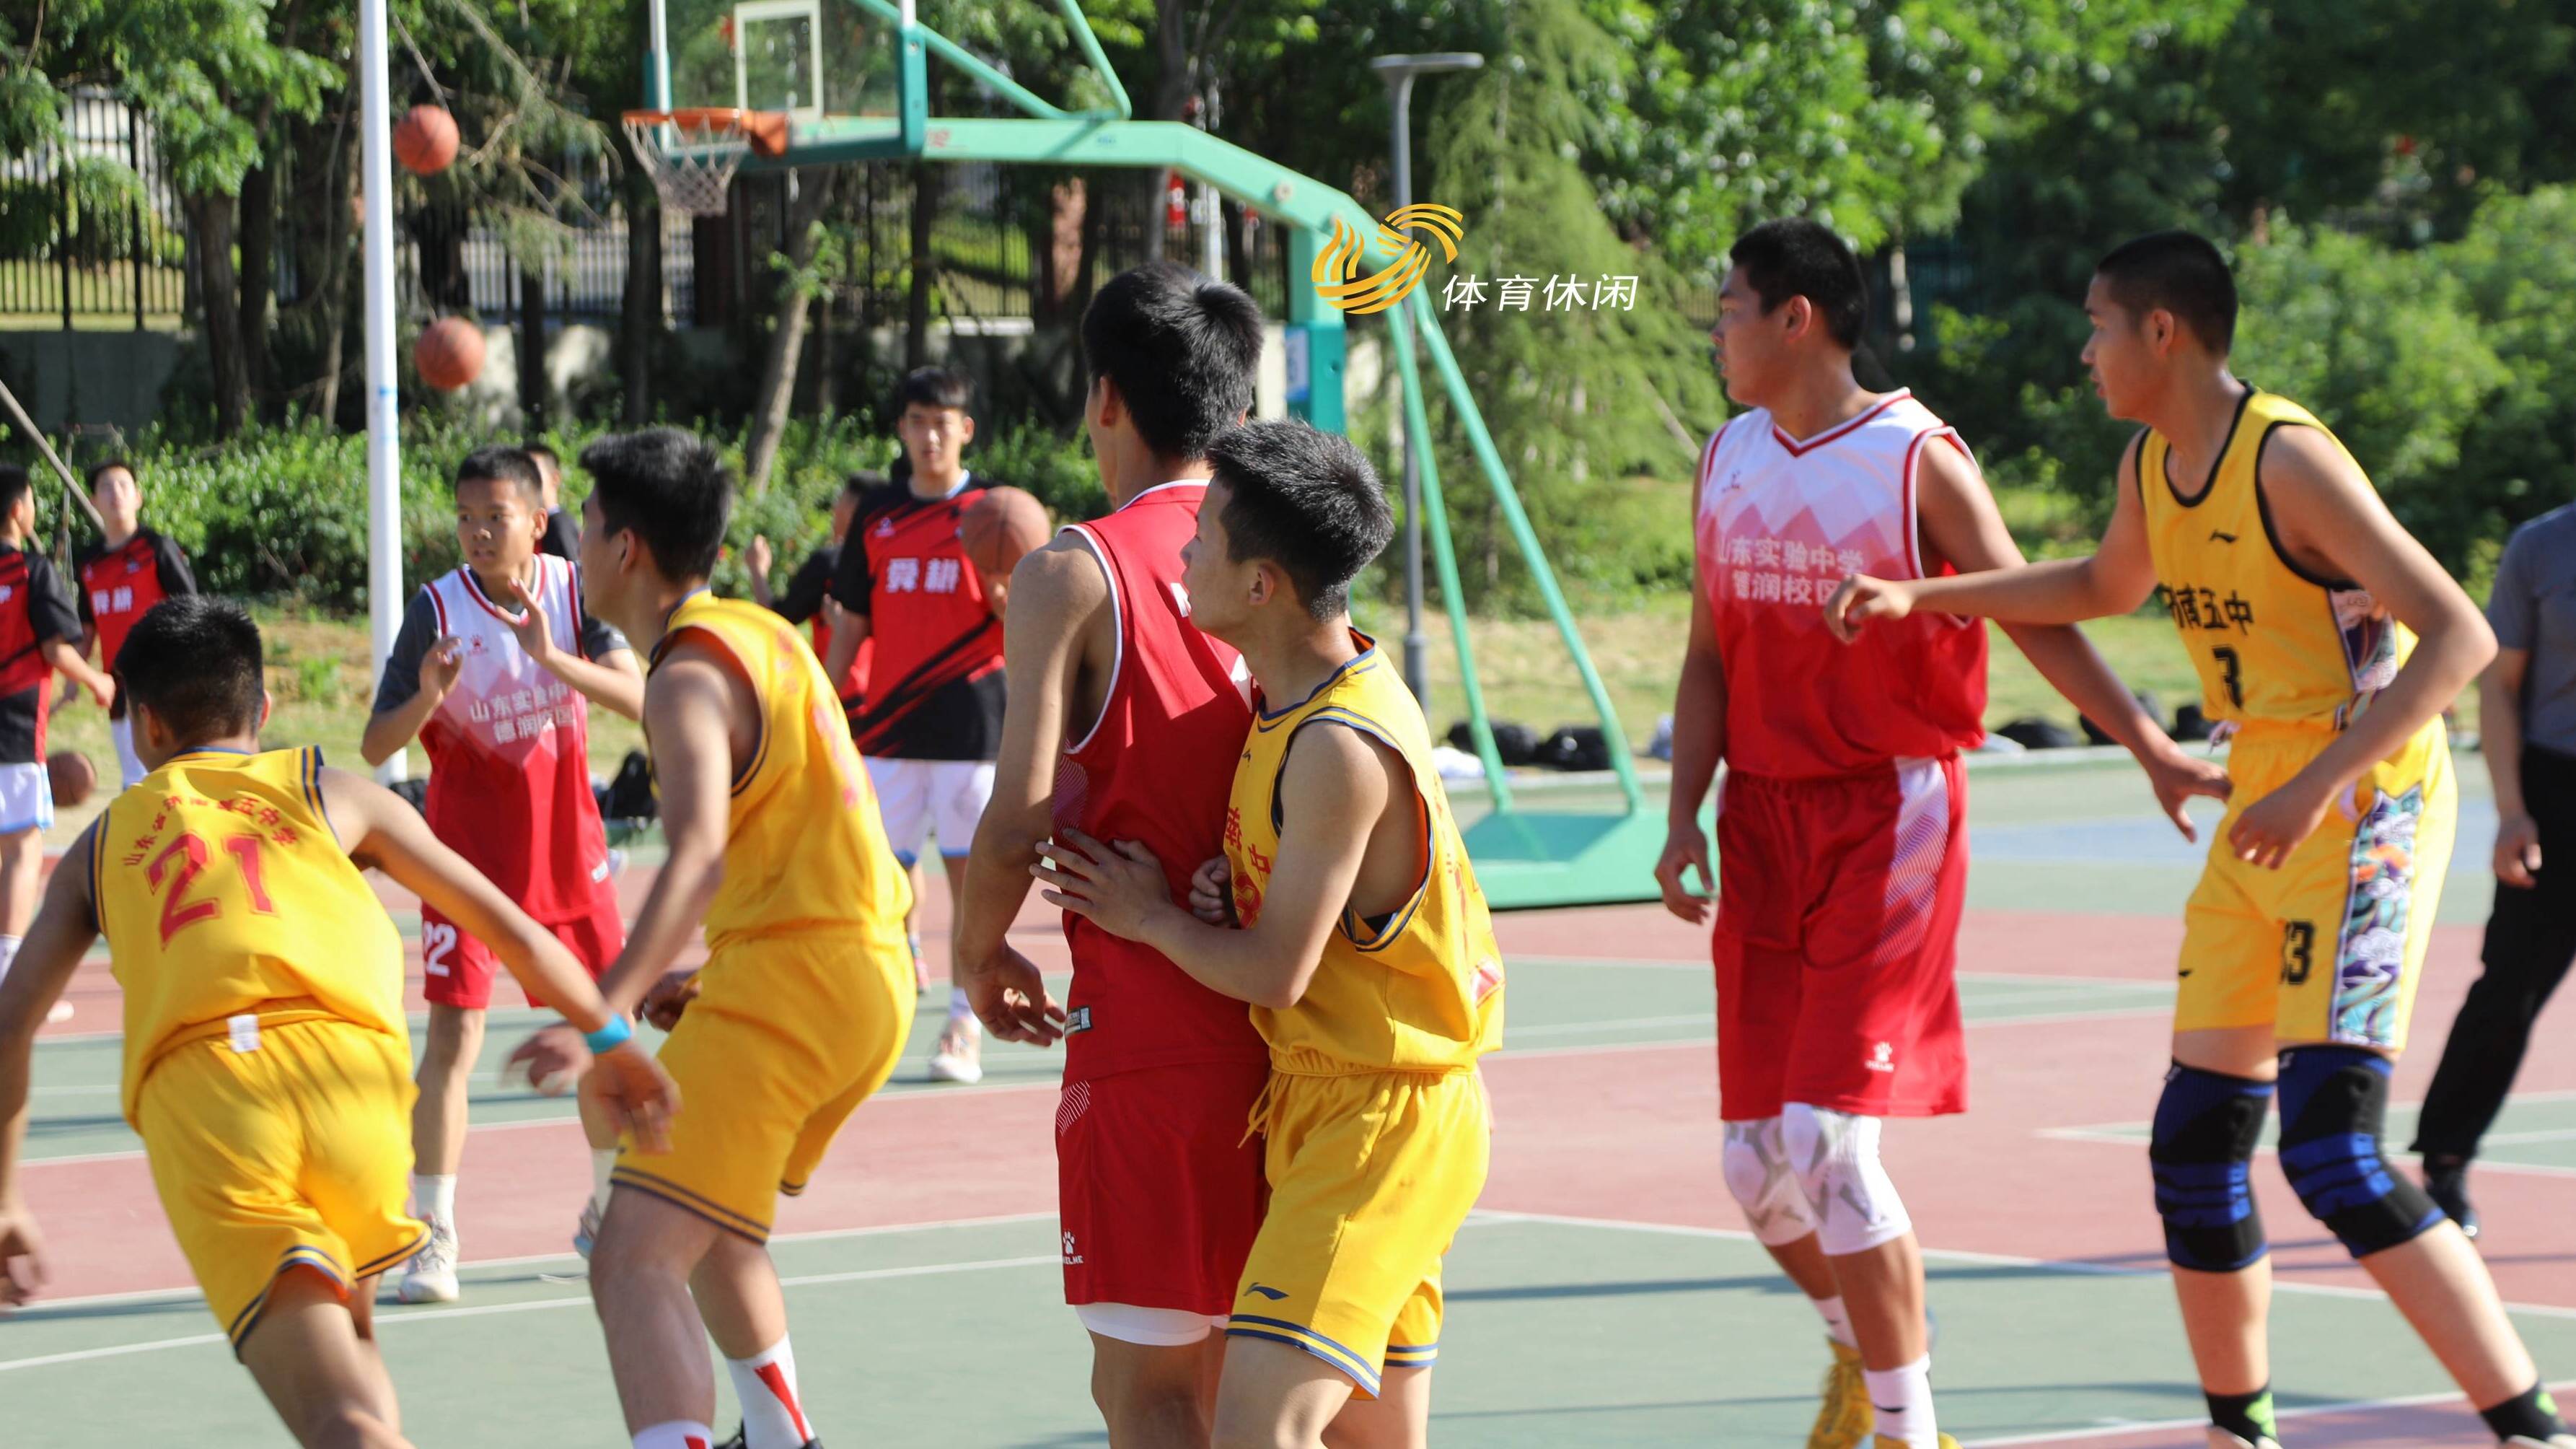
x=2207, y=1124
x=2334, y=1105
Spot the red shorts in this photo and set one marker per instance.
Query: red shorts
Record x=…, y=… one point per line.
x=1159, y=1183
x=457, y=970
x=1837, y=937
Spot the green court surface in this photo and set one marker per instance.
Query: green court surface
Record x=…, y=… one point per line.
x=1561, y=1332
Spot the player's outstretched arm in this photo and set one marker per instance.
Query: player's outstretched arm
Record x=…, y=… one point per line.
x=2330, y=523
x=613, y=681
x=1699, y=742
x=65, y=926
x=380, y=829
x=1061, y=592
x=1342, y=785
x=1961, y=523
x=2116, y=579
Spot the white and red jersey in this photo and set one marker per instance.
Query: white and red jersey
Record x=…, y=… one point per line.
x=509, y=751
x=1156, y=767
x=1780, y=522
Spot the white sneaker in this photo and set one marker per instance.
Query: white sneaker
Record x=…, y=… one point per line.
x=60, y=1012
x=2221, y=1439
x=430, y=1277
x=960, y=1057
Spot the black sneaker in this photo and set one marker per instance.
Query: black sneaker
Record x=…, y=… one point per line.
x=2447, y=1184
x=742, y=1437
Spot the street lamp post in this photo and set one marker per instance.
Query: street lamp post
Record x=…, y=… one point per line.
x=1398, y=72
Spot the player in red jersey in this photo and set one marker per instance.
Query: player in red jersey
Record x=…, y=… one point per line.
x=121, y=578
x=809, y=600
x=39, y=633
x=494, y=669
x=933, y=716
x=1842, y=837
x=1125, y=723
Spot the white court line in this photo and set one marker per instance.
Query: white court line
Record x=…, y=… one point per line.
x=1997, y=1260
x=533, y=1305
x=2155, y=1426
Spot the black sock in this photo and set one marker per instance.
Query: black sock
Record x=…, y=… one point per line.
x=2531, y=1414
x=2247, y=1416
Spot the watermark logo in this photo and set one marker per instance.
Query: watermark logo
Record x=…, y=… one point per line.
x=1336, y=271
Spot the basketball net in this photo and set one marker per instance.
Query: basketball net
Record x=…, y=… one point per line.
x=692, y=154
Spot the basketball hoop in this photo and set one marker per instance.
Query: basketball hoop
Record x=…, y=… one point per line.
x=692, y=154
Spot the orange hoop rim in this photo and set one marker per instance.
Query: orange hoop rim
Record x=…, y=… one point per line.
x=765, y=132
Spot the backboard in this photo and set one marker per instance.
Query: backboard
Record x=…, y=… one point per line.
x=816, y=60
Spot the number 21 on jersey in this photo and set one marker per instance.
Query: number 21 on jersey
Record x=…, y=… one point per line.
x=173, y=875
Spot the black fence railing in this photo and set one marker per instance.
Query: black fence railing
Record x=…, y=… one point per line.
x=90, y=226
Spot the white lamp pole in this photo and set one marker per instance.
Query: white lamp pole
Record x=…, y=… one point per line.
x=384, y=417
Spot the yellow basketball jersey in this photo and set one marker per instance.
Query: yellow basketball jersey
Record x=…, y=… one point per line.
x=1420, y=990
x=2272, y=641
x=805, y=851
x=228, y=905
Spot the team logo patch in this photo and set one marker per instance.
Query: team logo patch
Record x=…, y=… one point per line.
x=1077, y=1020
x=1071, y=1257
x=1273, y=1294
x=1882, y=1057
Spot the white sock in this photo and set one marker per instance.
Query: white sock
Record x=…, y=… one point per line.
x=1837, y=1319
x=677, y=1434
x=959, y=1008
x=766, y=1383
x=1903, y=1399
x=434, y=1197
x=603, y=1161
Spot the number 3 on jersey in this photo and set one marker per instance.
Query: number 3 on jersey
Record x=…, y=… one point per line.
x=182, y=861
x=2232, y=673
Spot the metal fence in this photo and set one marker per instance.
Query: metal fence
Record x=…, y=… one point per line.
x=91, y=226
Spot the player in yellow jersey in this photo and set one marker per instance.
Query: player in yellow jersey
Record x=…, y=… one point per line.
x=2327, y=642
x=1358, y=935
x=267, y=1064
x=806, y=995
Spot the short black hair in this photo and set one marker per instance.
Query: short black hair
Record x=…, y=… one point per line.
x=1306, y=500
x=14, y=483
x=935, y=387
x=194, y=661
x=670, y=489
x=1795, y=257
x=503, y=464
x=1183, y=348
x=112, y=465
x=2181, y=272
x=543, y=456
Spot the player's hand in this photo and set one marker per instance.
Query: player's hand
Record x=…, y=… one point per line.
x=2517, y=849
x=530, y=625
x=22, y=1257
x=553, y=1059
x=1861, y=599
x=670, y=997
x=1685, y=848
x=102, y=687
x=1212, y=892
x=758, y=556
x=1010, y=998
x=1114, y=887
x=639, y=1095
x=2177, y=776
x=439, y=667
x=2272, y=827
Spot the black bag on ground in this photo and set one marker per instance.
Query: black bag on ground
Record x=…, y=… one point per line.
x=2034, y=733
x=1575, y=747
x=630, y=795
x=1516, y=744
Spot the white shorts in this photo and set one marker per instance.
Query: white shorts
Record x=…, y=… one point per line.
x=129, y=765
x=26, y=798
x=925, y=798
x=1149, y=1327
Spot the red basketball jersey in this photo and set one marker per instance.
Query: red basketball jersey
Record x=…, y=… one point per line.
x=1780, y=522
x=120, y=585
x=1156, y=768
x=509, y=756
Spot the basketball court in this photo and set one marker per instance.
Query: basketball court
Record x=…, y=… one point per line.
x=1603, y=1293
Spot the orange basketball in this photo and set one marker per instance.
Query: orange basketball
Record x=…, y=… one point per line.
x=999, y=529
x=72, y=776
x=449, y=353
x=425, y=140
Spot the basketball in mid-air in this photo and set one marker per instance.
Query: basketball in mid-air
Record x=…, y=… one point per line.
x=71, y=775
x=449, y=353
x=998, y=530
x=425, y=140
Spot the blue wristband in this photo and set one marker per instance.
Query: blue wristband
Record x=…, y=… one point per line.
x=617, y=1033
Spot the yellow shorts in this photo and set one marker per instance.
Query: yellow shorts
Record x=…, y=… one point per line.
x=294, y=1154
x=787, y=1036
x=1370, y=1177
x=2330, y=947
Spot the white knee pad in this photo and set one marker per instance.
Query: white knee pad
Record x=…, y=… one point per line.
x=1834, y=1156
x=1757, y=1172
